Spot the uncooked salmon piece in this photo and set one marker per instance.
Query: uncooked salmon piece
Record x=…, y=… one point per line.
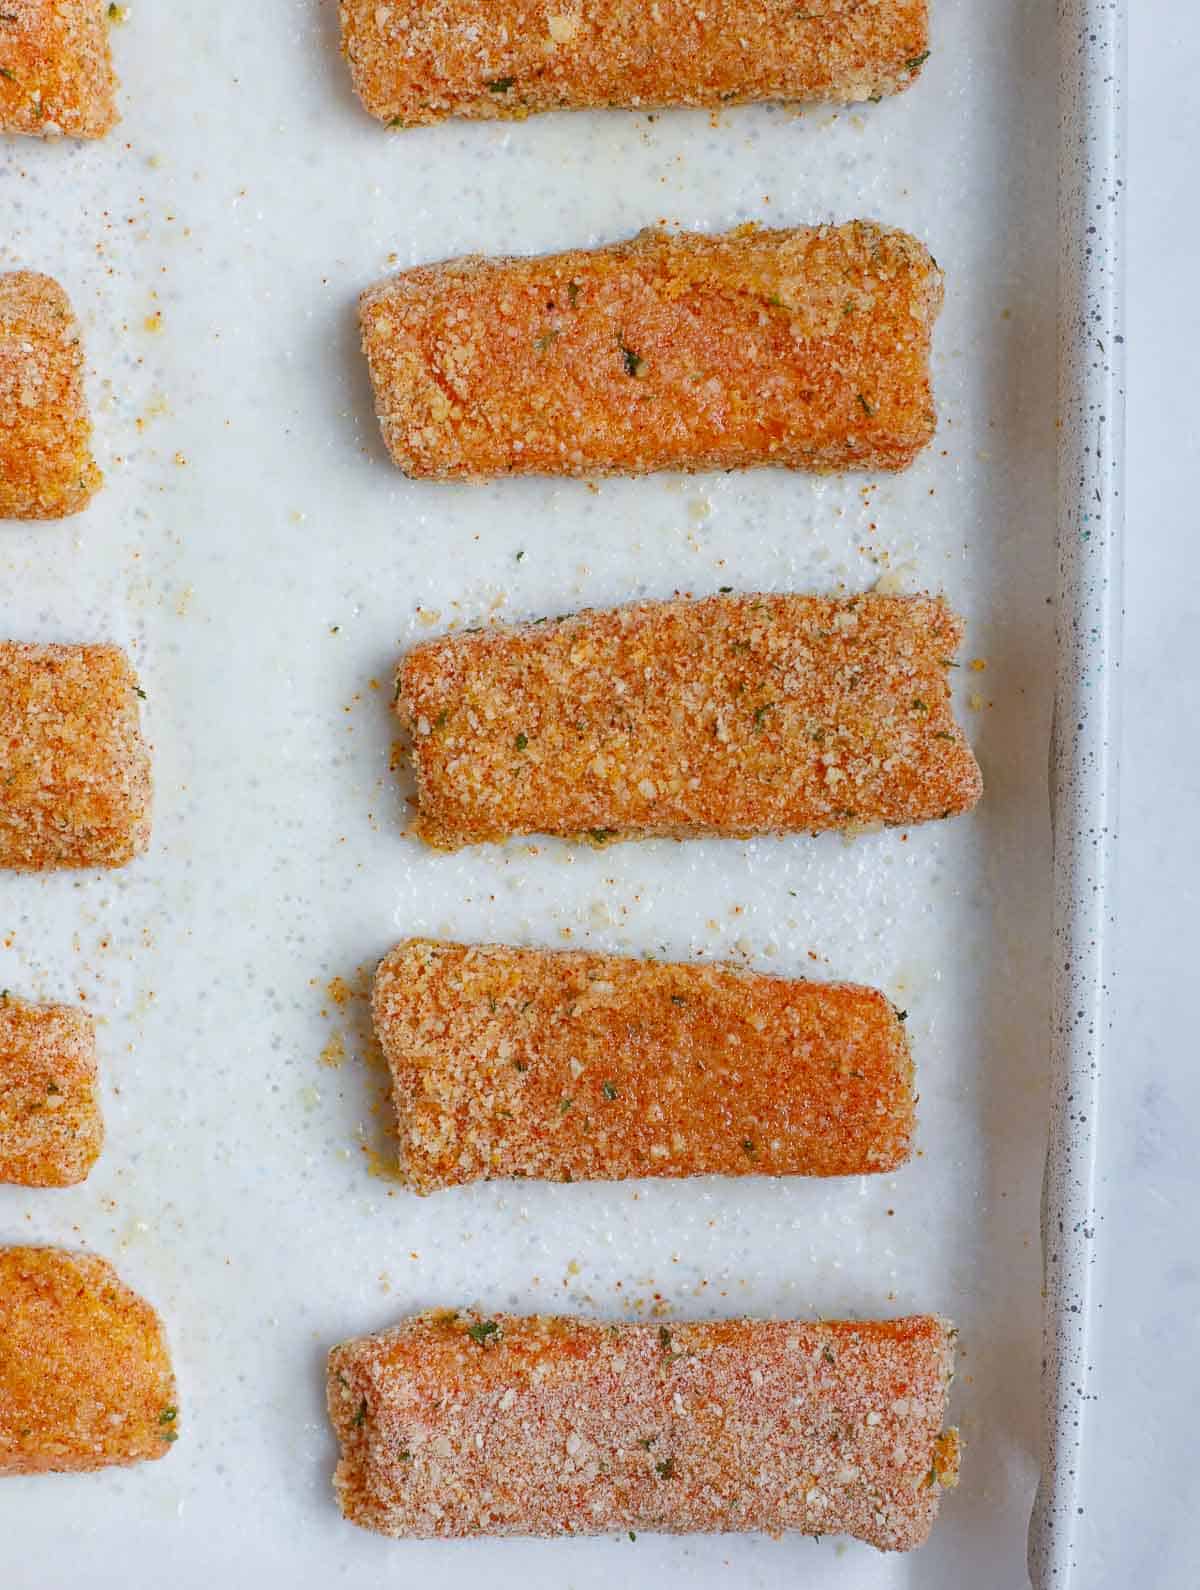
x=731, y=715
x=807, y=348
x=74, y=770
x=85, y=1374
x=51, y=1129
x=413, y=62
x=46, y=466
x=458, y=1424
x=56, y=73
x=570, y=1066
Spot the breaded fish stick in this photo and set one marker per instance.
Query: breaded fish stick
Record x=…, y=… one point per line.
x=46, y=466
x=455, y=1424
x=414, y=62
x=734, y=715
x=806, y=348
x=75, y=790
x=566, y=1066
x=85, y=1374
x=51, y=1130
x=56, y=73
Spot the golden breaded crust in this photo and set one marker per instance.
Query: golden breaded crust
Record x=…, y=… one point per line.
x=807, y=348
x=733, y=715
x=51, y=1130
x=56, y=74
x=414, y=61
x=455, y=1424
x=46, y=466
x=75, y=789
x=568, y=1066
x=85, y=1374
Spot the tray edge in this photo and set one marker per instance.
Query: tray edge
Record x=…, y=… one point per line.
x=1084, y=746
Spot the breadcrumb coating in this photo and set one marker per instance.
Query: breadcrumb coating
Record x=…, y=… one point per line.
x=46, y=466
x=56, y=74
x=416, y=61
x=457, y=1424
x=74, y=771
x=85, y=1373
x=51, y=1130
x=570, y=1066
x=731, y=715
x=806, y=348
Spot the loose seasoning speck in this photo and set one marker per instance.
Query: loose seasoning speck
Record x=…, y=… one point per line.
x=635, y=365
x=483, y=1330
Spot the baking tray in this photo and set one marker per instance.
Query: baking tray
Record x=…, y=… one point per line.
x=266, y=567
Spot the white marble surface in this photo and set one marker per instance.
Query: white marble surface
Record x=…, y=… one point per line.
x=1142, y=1486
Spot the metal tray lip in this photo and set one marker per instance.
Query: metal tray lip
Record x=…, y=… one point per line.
x=1084, y=773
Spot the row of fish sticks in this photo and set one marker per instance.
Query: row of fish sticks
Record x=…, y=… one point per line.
x=415, y=63
x=735, y=715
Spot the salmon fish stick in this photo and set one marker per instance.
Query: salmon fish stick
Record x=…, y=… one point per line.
x=56, y=75
x=806, y=348
x=75, y=790
x=51, y=1130
x=460, y=1424
x=85, y=1372
x=730, y=715
x=570, y=1066
x=415, y=63
x=46, y=466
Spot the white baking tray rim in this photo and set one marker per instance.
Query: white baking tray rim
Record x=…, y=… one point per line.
x=1084, y=743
